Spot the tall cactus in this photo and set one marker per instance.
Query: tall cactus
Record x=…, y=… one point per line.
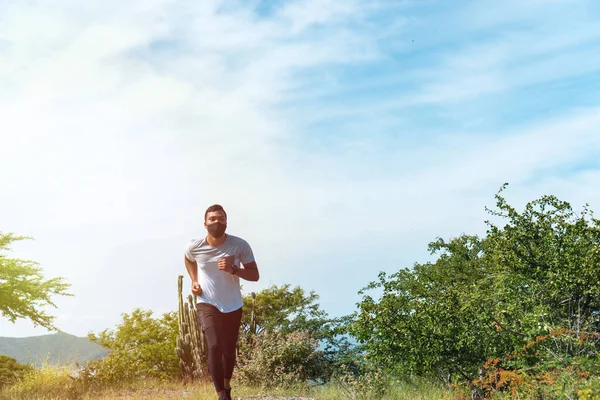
x=191, y=347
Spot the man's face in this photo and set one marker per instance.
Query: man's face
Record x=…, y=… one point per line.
x=216, y=223
x=214, y=217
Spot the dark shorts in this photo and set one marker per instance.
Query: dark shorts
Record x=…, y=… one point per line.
x=211, y=317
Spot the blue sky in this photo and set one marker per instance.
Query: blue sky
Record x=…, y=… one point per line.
x=341, y=137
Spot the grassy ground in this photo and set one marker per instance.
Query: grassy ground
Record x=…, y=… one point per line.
x=52, y=383
x=206, y=391
x=399, y=391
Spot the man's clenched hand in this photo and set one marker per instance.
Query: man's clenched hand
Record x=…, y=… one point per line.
x=196, y=289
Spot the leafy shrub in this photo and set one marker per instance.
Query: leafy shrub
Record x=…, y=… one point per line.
x=590, y=390
x=280, y=360
x=141, y=347
x=543, y=368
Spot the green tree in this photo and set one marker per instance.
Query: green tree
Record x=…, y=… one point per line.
x=426, y=322
x=140, y=347
x=285, y=309
x=485, y=297
x=547, y=261
x=23, y=290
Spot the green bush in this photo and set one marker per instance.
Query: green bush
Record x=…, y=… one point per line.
x=280, y=360
x=539, y=370
x=141, y=347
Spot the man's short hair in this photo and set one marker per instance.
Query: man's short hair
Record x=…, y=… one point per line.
x=214, y=207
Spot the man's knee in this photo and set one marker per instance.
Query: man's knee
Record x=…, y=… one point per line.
x=212, y=347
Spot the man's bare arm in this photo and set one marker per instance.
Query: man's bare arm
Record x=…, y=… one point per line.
x=192, y=269
x=249, y=272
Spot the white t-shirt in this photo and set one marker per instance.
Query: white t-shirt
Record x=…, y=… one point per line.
x=219, y=288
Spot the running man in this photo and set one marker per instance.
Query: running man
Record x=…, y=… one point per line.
x=213, y=264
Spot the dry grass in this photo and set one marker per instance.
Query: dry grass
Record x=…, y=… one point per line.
x=163, y=391
x=55, y=383
x=418, y=390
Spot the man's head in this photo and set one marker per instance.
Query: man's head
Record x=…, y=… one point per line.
x=215, y=220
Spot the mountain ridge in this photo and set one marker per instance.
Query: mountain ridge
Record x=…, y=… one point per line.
x=57, y=349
